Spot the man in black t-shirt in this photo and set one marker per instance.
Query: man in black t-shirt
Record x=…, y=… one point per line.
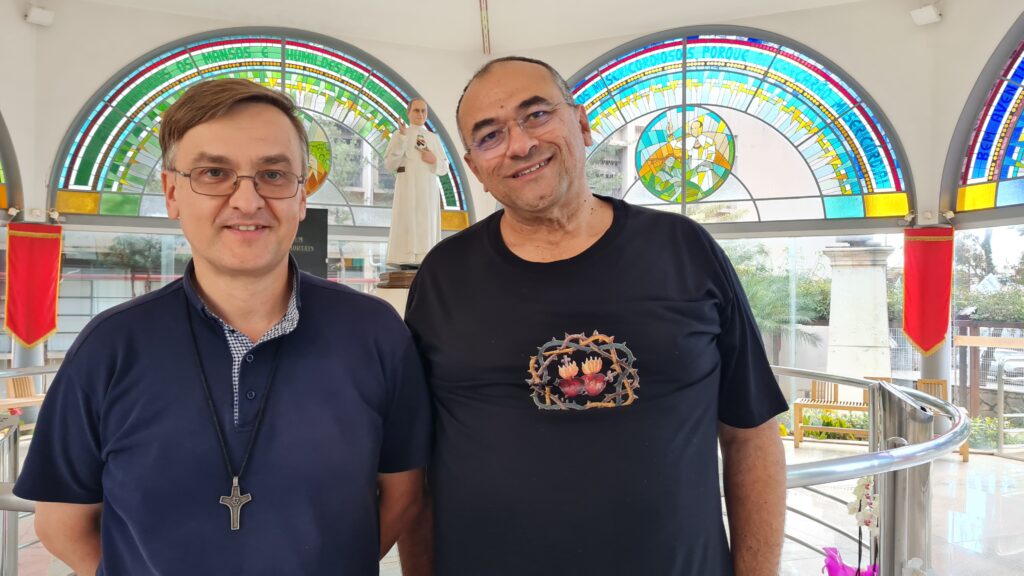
x=586, y=358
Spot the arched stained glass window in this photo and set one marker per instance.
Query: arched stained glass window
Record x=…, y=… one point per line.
x=110, y=162
x=993, y=169
x=736, y=128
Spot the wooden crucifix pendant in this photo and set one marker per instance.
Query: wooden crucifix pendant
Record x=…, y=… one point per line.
x=235, y=502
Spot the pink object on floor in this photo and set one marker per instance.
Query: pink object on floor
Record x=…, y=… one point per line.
x=836, y=567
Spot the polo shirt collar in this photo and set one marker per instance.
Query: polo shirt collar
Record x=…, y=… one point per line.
x=192, y=294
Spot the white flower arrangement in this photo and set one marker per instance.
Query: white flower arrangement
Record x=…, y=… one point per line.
x=865, y=507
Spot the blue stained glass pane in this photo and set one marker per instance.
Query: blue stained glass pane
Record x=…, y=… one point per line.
x=788, y=113
x=660, y=57
x=1005, y=98
x=822, y=90
x=701, y=53
x=721, y=88
x=865, y=140
x=650, y=94
x=880, y=164
x=828, y=157
x=595, y=87
x=1013, y=158
x=604, y=117
x=1010, y=193
x=845, y=206
x=1018, y=72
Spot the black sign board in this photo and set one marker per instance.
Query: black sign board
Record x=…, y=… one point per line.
x=310, y=246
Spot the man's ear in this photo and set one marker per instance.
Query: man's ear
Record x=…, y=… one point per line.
x=472, y=165
x=169, y=182
x=588, y=136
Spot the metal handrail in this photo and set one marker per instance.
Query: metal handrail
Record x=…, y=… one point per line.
x=28, y=371
x=8, y=501
x=797, y=475
x=851, y=467
x=8, y=473
x=909, y=401
x=12, y=503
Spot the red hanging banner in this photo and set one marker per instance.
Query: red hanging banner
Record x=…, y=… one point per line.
x=927, y=286
x=33, y=275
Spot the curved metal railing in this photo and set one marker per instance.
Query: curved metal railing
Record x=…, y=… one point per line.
x=29, y=371
x=883, y=459
x=902, y=447
x=9, y=460
x=887, y=460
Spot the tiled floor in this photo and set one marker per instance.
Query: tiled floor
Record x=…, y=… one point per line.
x=977, y=519
x=977, y=515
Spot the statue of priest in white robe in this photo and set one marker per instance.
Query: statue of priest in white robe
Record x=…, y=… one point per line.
x=415, y=154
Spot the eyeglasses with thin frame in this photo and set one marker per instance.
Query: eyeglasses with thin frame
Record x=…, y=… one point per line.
x=492, y=140
x=216, y=181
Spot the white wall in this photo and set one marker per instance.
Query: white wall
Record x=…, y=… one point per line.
x=18, y=88
x=919, y=76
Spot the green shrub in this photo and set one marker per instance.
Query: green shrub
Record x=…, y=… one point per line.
x=983, y=430
x=984, y=433
x=816, y=417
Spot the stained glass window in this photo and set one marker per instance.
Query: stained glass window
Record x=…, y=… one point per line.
x=350, y=107
x=737, y=129
x=4, y=201
x=993, y=170
x=3, y=187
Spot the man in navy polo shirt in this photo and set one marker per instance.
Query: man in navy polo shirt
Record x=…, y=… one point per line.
x=248, y=418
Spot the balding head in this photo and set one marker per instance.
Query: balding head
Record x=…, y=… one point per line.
x=496, y=64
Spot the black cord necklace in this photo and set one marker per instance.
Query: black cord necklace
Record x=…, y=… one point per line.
x=236, y=499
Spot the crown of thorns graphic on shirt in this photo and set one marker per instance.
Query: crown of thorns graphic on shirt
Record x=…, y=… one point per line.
x=608, y=378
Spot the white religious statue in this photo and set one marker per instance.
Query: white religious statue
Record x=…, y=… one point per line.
x=415, y=154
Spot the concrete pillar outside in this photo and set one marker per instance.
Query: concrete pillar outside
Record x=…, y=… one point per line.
x=938, y=365
x=858, y=335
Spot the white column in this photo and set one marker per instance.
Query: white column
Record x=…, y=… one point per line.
x=858, y=335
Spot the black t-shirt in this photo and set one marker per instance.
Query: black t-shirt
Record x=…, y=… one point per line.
x=577, y=402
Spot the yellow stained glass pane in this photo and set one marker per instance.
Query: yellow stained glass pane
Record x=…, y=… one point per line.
x=878, y=205
x=977, y=197
x=74, y=202
x=454, y=220
x=3, y=196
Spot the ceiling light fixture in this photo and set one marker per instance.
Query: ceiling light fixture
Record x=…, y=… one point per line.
x=39, y=16
x=925, y=15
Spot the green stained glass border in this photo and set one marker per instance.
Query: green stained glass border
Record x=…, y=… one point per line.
x=113, y=148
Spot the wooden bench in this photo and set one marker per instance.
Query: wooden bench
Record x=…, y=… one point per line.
x=21, y=393
x=825, y=396
x=937, y=388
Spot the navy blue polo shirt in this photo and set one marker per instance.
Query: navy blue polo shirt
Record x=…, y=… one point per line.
x=126, y=423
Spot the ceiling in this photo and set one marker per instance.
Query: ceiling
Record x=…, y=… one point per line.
x=455, y=24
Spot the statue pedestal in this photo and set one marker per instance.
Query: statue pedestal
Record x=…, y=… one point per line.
x=394, y=288
x=396, y=279
x=858, y=334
